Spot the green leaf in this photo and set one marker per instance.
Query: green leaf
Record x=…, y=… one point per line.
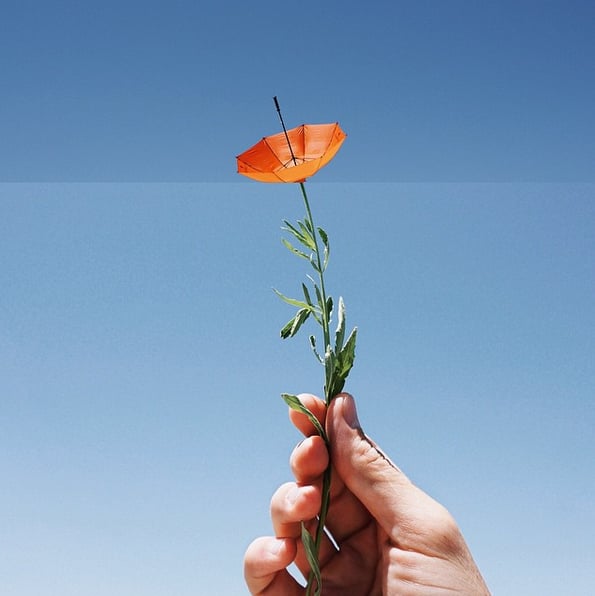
x=339, y=365
x=314, y=308
x=346, y=356
x=336, y=386
x=330, y=363
x=293, y=325
x=304, y=236
x=313, y=346
x=295, y=250
x=292, y=301
x=307, y=234
x=293, y=401
x=312, y=558
x=319, y=296
x=323, y=236
x=307, y=226
x=340, y=333
x=292, y=230
x=307, y=295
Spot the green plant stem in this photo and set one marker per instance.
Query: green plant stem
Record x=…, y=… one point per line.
x=326, y=479
x=325, y=314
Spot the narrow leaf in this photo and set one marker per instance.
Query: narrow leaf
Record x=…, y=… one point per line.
x=313, y=346
x=308, y=226
x=340, y=334
x=307, y=295
x=319, y=297
x=315, y=309
x=293, y=401
x=292, y=301
x=340, y=365
x=312, y=558
x=286, y=330
x=295, y=250
x=293, y=325
x=304, y=236
x=299, y=320
x=323, y=236
x=292, y=230
x=330, y=364
x=346, y=356
x=307, y=234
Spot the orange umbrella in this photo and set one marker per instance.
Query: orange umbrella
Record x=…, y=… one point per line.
x=292, y=155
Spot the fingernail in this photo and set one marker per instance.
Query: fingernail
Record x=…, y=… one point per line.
x=350, y=413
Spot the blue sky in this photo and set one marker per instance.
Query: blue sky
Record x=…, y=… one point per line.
x=141, y=429
x=429, y=91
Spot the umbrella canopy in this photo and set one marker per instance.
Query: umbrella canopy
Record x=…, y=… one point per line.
x=272, y=159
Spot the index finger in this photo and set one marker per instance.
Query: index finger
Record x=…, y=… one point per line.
x=301, y=422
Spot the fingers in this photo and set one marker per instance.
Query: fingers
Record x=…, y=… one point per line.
x=264, y=566
x=308, y=461
x=316, y=406
x=290, y=505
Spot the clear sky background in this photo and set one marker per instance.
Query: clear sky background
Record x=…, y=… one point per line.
x=141, y=429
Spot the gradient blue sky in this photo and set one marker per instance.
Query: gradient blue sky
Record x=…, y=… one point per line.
x=429, y=90
x=141, y=429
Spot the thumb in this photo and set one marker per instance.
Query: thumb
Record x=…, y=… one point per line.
x=369, y=474
x=411, y=519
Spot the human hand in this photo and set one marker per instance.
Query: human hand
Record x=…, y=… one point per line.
x=391, y=537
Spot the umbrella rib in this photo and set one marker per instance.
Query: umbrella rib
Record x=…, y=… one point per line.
x=274, y=154
x=304, y=144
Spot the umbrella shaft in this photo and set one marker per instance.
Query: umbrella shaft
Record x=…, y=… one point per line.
x=284, y=129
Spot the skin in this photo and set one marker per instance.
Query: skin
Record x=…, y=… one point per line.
x=393, y=538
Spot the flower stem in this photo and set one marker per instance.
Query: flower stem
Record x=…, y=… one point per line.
x=325, y=311
x=326, y=479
